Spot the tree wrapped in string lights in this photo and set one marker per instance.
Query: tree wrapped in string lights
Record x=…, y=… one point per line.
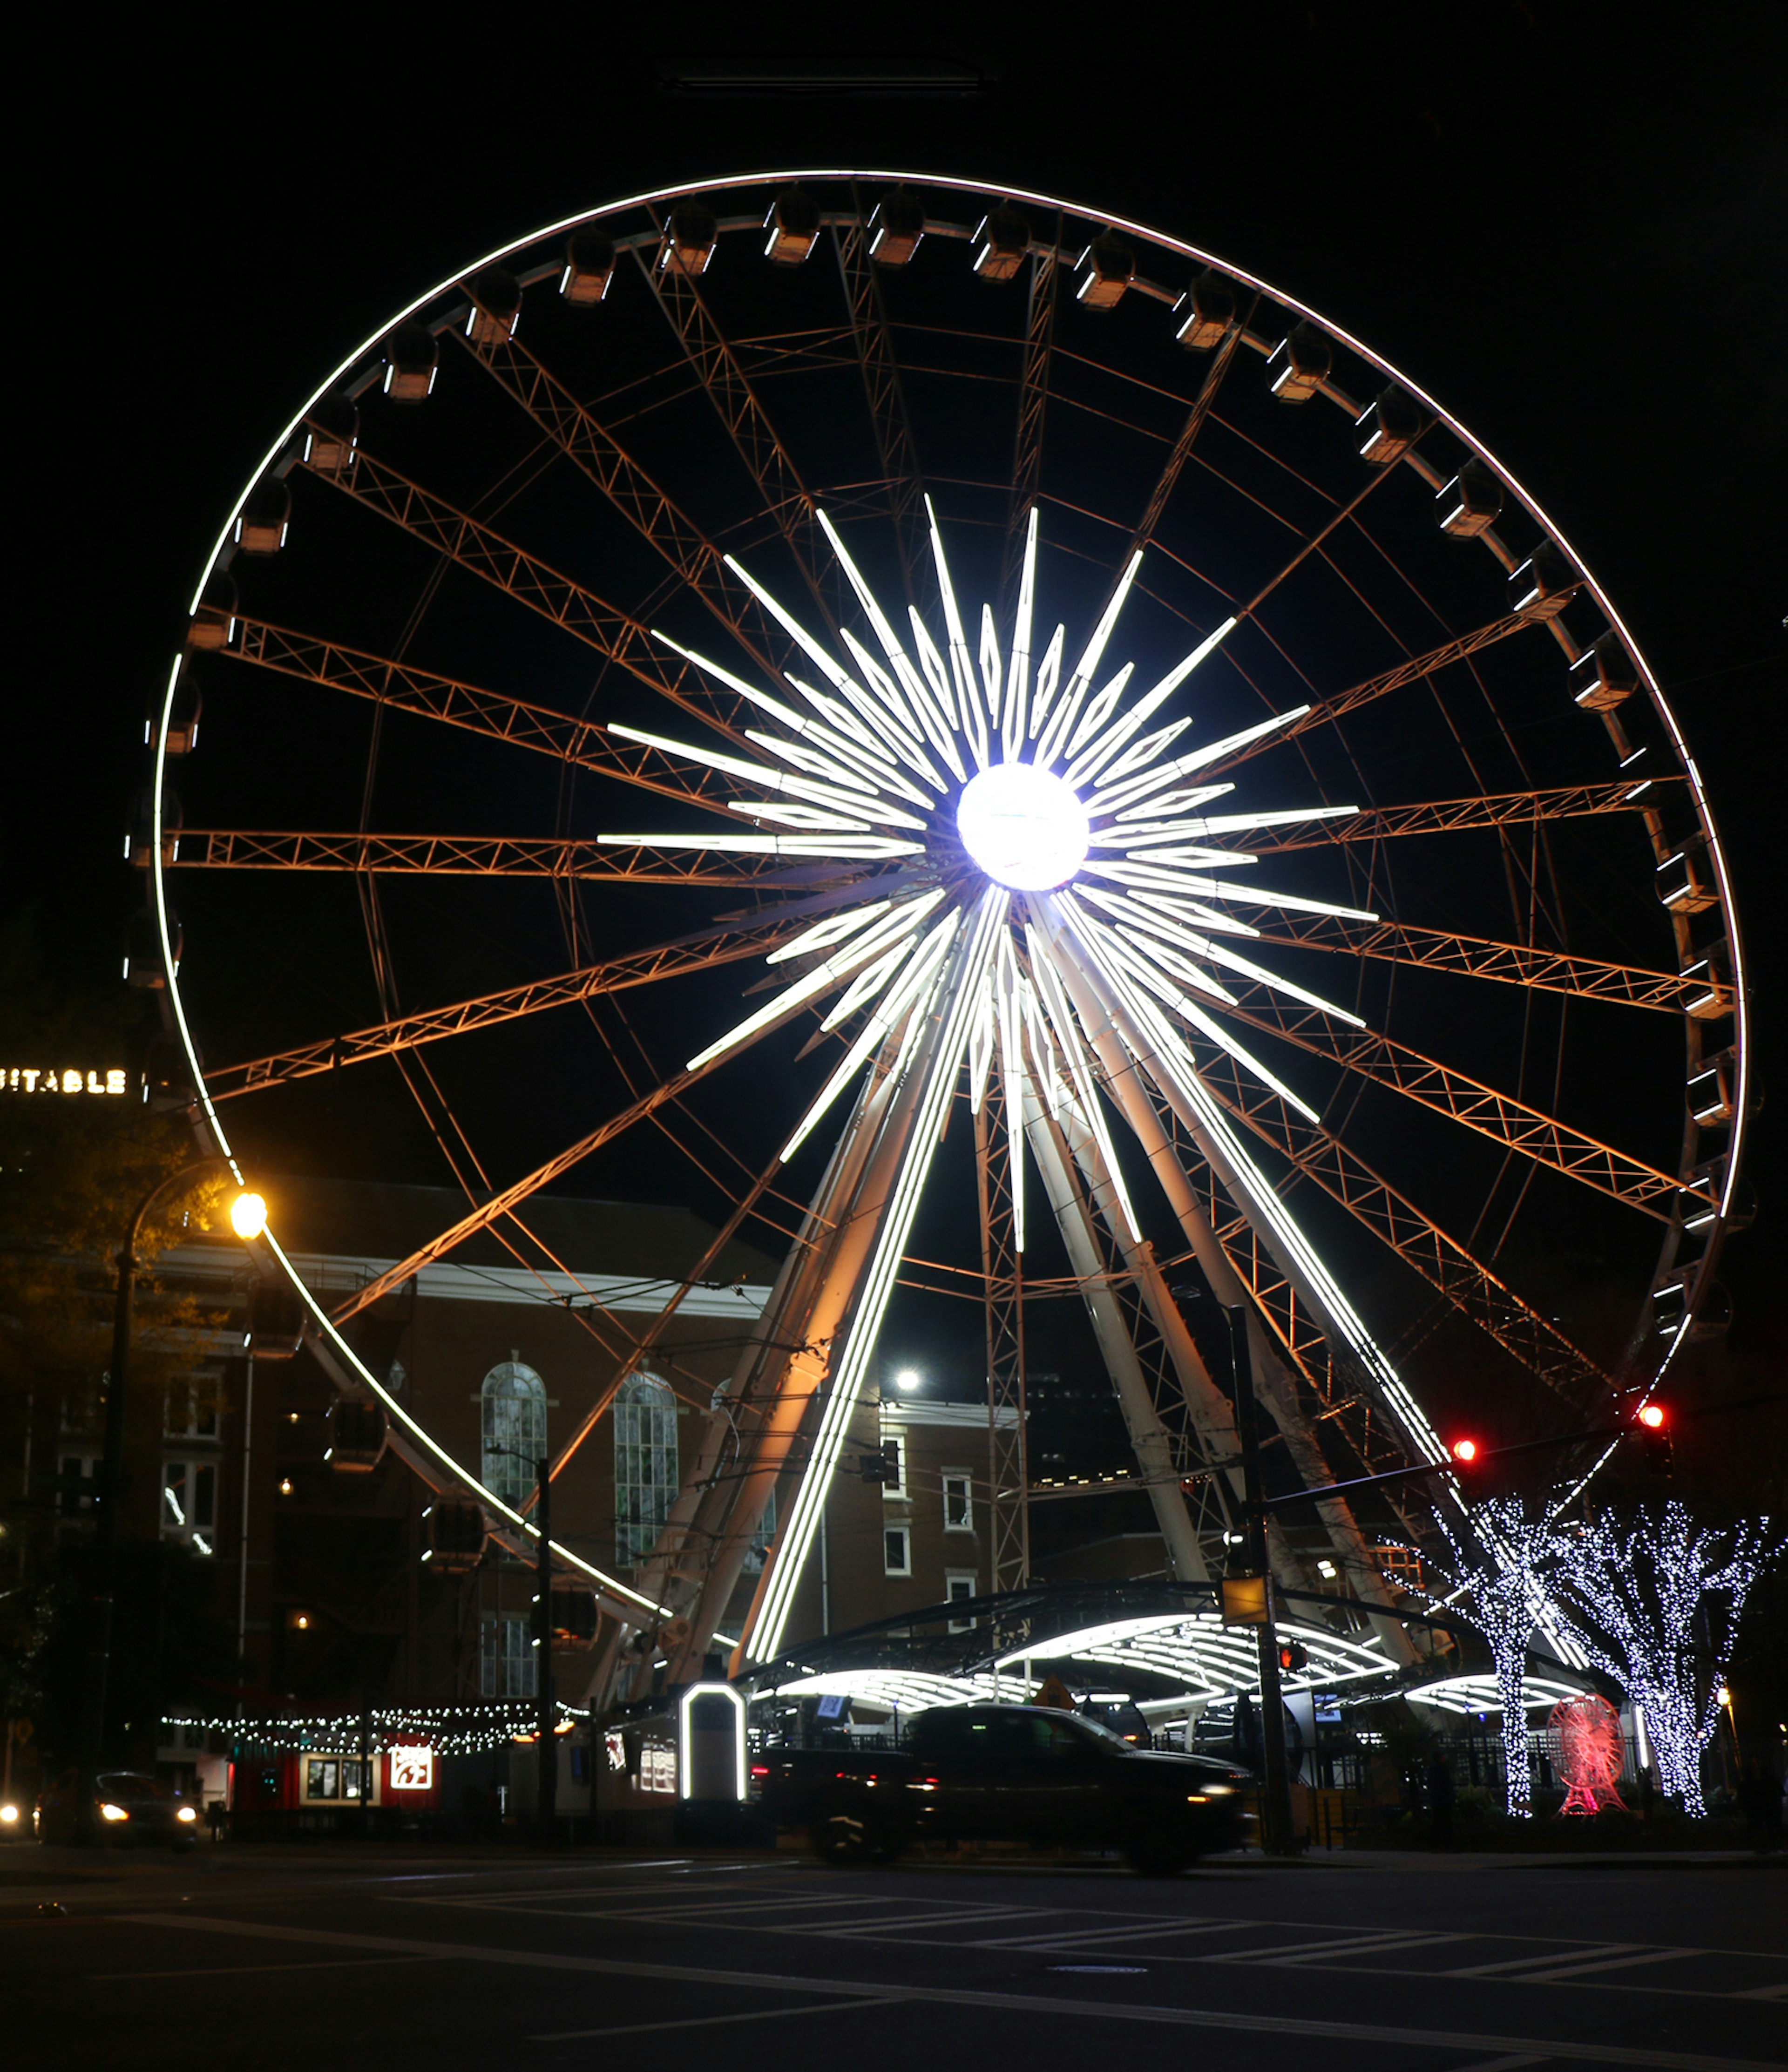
x=1655, y=1605
x=1504, y=1589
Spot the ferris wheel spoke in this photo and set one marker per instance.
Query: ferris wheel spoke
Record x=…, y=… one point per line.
x=1324, y=712
x=1499, y=809
x=565, y=603
x=507, y=1199
x=706, y=950
x=463, y=856
x=402, y=687
x=1476, y=957
x=785, y=497
x=591, y=447
x=1499, y=1117
x=1441, y=1261
x=886, y=398
x=1027, y=462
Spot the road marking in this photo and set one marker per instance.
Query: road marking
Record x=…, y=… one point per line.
x=1535, y=1957
x=242, y=1970
x=1070, y=1940
x=859, y=1929
x=1658, y=1956
x=719, y=2021
x=1761, y=1993
x=1054, y=2005
x=1340, y=1946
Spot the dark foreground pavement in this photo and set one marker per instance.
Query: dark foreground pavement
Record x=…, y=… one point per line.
x=344, y=1958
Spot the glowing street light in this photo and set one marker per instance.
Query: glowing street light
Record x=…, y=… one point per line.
x=908, y=1380
x=248, y=1214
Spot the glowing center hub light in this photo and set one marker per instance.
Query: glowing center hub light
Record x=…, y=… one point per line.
x=1023, y=826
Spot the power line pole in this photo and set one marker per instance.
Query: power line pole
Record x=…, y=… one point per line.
x=1276, y=1838
x=546, y=1740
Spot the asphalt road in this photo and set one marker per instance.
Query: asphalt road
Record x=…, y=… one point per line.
x=312, y=1958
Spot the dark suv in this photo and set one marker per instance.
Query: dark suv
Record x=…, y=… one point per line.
x=131, y=1808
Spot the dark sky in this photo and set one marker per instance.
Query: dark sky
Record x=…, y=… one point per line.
x=1571, y=224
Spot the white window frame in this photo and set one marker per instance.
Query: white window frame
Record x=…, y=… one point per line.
x=511, y=1421
x=965, y=1478
x=193, y=1524
x=896, y=1491
x=88, y=1462
x=646, y=1464
x=189, y=1409
x=904, y=1534
x=961, y=1583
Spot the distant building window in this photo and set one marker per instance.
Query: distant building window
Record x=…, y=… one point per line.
x=329, y=1777
x=757, y=1553
x=190, y=1411
x=893, y=1445
x=77, y=1482
x=897, y=1550
x=508, y=1668
x=645, y=1464
x=515, y=1428
x=189, y=1503
x=959, y=1502
x=959, y=1585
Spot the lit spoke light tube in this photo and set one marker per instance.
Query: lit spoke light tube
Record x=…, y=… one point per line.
x=1046, y=844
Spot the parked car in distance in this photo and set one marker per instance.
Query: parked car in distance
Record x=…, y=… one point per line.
x=132, y=1809
x=1007, y=1772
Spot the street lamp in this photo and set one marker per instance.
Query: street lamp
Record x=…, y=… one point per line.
x=248, y=1218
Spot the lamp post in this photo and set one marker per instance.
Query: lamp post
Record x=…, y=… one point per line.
x=249, y=1218
x=546, y=1747
x=1276, y=1799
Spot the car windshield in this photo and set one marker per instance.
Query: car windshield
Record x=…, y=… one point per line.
x=123, y=1784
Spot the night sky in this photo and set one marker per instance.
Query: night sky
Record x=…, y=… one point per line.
x=1570, y=223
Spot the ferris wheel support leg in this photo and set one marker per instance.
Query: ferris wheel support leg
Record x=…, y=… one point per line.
x=1149, y=1437
x=1276, y=1385
x=1002, y=1268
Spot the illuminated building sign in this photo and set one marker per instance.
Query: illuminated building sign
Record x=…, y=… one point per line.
x=413, y=1769
x=25, y=1079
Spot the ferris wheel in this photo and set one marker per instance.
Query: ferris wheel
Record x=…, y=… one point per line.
x=997, y=657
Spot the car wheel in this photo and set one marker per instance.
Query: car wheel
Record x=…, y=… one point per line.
x=1161, y=1853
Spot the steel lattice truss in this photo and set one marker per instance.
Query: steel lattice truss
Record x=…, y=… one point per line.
x=779, y=675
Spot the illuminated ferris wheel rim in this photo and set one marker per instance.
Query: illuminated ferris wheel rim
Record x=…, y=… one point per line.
x=669, y=196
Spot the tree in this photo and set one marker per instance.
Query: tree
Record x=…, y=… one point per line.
x=1655, y=1605
x=1504, y=1590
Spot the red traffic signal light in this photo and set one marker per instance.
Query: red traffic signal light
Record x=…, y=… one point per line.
x=1464, y=1450
x=1294, y=1655
x=1655, y=1442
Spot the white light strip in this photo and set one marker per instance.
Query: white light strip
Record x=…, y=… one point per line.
x=824, y=977
x=1140, y=755
x=961, y=995
x=685, y=1769
x=1067, y=1036
x=848, y=848
x=866, y=984
x=1049, y=676
x=1198, y=758
x=1014, y=722
x=1098, y=711
x=1153, y=1044
x=834, y=928
x=877, y=1029
x=1145, y=708
x=992, y=674
x=970, y=717
x=1061, y=722
x=838, y=797
x=795, y=815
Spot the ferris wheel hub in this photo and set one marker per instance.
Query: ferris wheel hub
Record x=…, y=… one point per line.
x=1024, y=826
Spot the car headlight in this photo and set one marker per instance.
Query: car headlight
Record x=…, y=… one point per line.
x=186, y=1813
x=108, y=1812
x=8, y=1815
x=1218, y=1791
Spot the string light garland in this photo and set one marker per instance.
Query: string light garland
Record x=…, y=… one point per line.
x=1655, y=1605
x=1505, y=1593
x=450, y=1730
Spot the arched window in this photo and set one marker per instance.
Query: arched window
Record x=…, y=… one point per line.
x=515, y=1422
x=645, y=1464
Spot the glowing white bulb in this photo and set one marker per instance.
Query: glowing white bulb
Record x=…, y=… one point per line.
x=1024, y=826
x=907, y=1380
x=248, y=1216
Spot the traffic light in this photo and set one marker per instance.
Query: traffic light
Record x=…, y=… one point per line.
x=883, y=1465
x=1655, y=1441
x=1293, y=1655
x=1464, y=1451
